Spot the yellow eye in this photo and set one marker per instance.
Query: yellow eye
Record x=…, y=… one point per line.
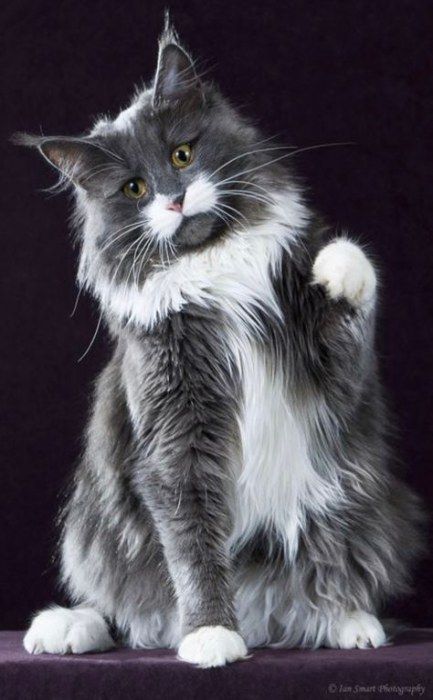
x=182, y=156
x=135, y=188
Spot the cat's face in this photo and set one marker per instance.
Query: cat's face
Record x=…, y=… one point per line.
x=163, y=178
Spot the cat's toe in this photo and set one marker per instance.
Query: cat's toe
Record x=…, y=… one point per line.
x=360, y=630
x=345, y=272
x=32, y=644
x=212, y=646
x=47, y=633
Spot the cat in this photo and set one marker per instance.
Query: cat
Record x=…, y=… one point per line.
x=236, y=487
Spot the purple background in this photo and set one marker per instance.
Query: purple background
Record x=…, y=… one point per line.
x=329, y=70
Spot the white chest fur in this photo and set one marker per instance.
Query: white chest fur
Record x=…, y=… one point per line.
x=277, y=484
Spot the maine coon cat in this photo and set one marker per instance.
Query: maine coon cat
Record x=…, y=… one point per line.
x=235, y=489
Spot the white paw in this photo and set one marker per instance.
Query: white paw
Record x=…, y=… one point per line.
x=64, y=631
x=360, y=629
x=345, y=271
x=212, y=646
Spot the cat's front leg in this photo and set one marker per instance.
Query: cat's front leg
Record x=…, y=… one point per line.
x=191, y=522
x=346, y=273
x=184, y=474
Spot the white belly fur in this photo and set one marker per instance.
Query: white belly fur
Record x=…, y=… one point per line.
x=277, y=484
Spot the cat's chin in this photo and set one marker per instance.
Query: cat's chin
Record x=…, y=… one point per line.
x=199, y=230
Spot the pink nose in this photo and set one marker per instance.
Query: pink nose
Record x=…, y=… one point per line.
x=175, y=206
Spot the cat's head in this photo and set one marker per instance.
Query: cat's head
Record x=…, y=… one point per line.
x=175, y=171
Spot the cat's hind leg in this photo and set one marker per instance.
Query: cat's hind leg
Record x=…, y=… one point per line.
x=68, y=631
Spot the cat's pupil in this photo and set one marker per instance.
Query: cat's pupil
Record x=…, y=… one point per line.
x=133, y=186
x=182, y=155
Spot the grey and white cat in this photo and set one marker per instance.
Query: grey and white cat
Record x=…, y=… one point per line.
x=235, y=488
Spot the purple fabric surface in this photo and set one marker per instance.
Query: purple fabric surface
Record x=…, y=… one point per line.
x=403, y=669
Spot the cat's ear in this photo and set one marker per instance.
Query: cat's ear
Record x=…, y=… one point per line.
x=176, y=77
x=75, y=158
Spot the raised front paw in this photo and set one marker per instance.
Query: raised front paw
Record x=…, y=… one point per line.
x=212, y=646
x=346, y=272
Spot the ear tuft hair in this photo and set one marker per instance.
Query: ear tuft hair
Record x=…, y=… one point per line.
x=169, y=34
x=72, y=156
x=22, y=139
x=176, y=77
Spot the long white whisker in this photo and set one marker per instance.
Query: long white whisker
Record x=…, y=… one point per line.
x=77, y=299
x=134, y=243
x=93, y=339
x=289, y=155
x=246, y=182
x=223, y=214
x=230, y=208
x=124, y=229
x=251, y=195
x=162, y=251
x=142, y=238
x=138, y=256
x=227, y=217
x=248, y=153
x=137, y=244
x=117, y=235
x=148, y=249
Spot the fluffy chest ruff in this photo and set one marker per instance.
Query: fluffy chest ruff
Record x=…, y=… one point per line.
x=277, y=484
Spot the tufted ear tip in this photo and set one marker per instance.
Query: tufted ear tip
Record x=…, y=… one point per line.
x=169, y=34
x=72, y=156
x=52, y=148
x=176, y=77
x=55, y=149
x=20, y=138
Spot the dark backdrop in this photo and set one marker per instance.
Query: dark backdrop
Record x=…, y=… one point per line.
x=330, y=70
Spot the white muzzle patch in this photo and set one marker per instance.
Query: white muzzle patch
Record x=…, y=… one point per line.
x=200, y=197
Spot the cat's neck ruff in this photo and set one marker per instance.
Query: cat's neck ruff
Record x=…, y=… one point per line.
x=234, y=275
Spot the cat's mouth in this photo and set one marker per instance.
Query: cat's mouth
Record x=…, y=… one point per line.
x=185, y=218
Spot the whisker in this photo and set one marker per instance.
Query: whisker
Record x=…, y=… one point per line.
x=93, y=339
x=148, y=248
x=249, y=195
x=289, y=155
x=77, y=299
x=134, y=243
x=118, y=234
x=250, y=183
x=142, y=247
x=230, y=223
x=161, y=252
x=248, y=153
x=227, y=206
x=223, y=213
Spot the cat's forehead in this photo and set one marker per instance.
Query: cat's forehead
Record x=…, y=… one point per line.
x=127, y=119
x=141, y=121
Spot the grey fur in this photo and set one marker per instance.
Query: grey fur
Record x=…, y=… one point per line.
x=146, y=532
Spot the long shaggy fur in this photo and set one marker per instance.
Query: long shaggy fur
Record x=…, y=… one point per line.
x=236, y=471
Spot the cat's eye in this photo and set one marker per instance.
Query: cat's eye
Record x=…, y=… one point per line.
x=135, y=188
x=182, y=156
